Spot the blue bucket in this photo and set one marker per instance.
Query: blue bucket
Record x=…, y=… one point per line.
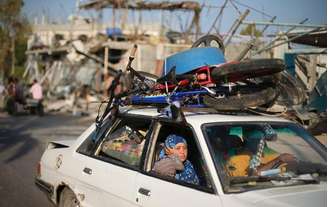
x=192, y=59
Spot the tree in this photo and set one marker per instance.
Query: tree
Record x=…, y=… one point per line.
x=14, y=31
x=251, y=31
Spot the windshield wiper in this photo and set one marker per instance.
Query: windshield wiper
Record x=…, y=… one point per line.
x=243, y=179
x=305, y=178
x=304, y=172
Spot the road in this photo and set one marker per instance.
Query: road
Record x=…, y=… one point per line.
x=22, y=141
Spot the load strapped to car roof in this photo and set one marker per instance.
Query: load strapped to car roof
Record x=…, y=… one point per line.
x=201, y=78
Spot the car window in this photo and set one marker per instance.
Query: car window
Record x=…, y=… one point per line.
x=244, y=152
x=88, y=146
x=125, y=143
x=194, y=155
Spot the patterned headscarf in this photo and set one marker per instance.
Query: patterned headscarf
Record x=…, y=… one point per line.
x=188, y=174
x=173, y=140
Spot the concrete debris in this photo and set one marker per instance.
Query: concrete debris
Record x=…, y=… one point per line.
x=73, y=56
x=86, y=73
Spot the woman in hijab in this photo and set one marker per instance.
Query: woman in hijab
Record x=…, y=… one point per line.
x=173, y=161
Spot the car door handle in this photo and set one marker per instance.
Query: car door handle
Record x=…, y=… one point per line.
x=144, y=191
x=87, y=170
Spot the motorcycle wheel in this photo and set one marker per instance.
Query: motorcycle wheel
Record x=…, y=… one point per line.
x=238, y=71
x=241, y=102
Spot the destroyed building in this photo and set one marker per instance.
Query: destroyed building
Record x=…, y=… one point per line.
x=84, y=52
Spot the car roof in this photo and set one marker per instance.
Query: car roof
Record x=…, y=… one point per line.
x=200, y=116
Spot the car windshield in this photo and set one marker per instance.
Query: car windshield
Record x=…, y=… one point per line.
x=261, y=155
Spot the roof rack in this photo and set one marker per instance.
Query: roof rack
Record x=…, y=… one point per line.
x=207, y=110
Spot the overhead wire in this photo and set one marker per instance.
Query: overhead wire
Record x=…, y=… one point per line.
x=235, y=7
x=252, y=8
x=218, y=16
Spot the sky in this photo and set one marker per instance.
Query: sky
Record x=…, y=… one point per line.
x=287, y=11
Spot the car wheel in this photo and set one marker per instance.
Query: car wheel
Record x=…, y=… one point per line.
x=68, y=199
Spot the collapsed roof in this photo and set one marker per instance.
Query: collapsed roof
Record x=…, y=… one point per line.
x=141, y=5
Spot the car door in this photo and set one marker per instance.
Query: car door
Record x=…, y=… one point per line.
x=109, y=174
x=154, y=190
x=158, y=192
x=85, y=169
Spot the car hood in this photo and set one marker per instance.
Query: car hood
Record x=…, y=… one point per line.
x=294, y=196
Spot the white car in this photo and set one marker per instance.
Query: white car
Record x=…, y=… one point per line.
x=112, y=165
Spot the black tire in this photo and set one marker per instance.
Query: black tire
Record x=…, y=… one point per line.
x=68, y=198
x=238, y=71
x=207, y=41
x=241, y=102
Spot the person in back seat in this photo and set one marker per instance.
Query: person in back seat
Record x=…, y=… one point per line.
x=173, y=161
x=238, y=163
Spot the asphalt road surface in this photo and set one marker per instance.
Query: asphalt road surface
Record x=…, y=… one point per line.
x=22, y=142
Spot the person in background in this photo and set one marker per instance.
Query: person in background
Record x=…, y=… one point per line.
x=36, y=90
x=37, y=95
x=19, y=92
x=2, y=89
x=10, y=105
x=2, y=95
x=11, y=88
